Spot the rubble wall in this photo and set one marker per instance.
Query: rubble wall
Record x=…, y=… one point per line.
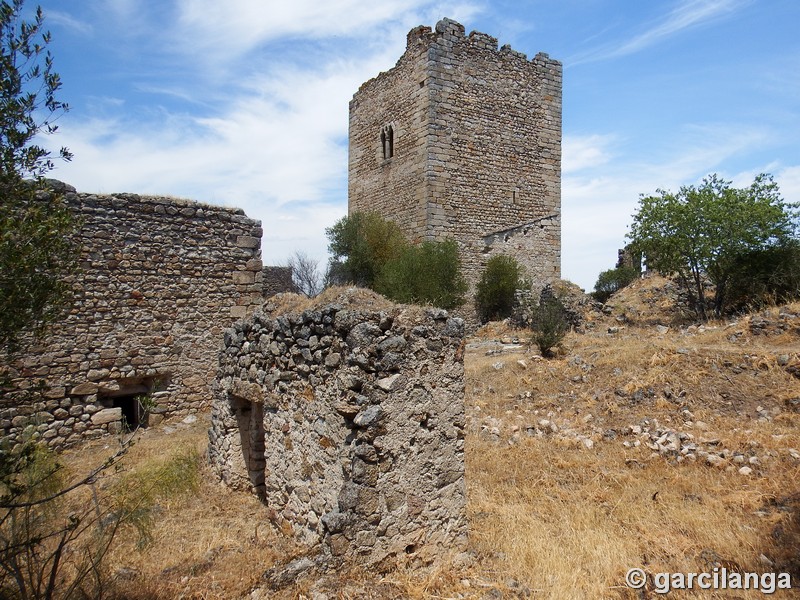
x=348, y=421
x=159, y=280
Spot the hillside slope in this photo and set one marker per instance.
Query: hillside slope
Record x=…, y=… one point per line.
x=648, y=442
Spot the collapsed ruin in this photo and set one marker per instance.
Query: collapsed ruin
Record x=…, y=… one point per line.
x=159, y=280
x=347, y=419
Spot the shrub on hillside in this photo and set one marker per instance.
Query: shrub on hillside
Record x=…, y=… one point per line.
x=429, y=273
x=550, y=323
x=613, y=280
x=766, y=276
x=497, y=288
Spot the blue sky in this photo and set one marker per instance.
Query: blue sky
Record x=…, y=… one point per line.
x=245, y=102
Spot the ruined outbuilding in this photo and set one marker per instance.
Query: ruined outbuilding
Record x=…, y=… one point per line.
x=159, y=281
x=346, y=416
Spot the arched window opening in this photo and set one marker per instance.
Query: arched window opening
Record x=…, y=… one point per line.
x=387, y=141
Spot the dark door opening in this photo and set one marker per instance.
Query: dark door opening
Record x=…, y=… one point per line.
x=131, y=412
x=250, y=419
x=129, y=398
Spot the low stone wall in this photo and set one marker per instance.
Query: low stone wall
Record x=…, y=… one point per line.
x=347, y=419
x=159, y=280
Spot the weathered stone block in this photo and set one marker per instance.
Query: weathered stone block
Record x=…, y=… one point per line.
x=107, y=415
x=248, y=241
x=84, y=389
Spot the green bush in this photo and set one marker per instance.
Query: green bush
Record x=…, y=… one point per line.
x=613, y=280
x=360, y=245
x=767, y=276
x=429, y=273
x=497, y=288
x=550, y=323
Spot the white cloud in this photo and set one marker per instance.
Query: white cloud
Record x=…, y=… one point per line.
x=235, y=27
x=687, y=14
x=583, y=152
x=63, y=19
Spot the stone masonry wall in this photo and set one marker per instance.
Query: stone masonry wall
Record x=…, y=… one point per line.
x=347, y=419
x=478, y=155
x=278, y=280
x=160, y=279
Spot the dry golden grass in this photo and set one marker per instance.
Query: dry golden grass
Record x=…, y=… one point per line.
x=212, y=544
x=548, y=516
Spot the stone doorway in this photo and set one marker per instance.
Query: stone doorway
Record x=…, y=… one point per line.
x=250, y=421
x=133, y=398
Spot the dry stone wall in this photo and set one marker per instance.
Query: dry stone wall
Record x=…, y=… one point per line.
x=160, y=279
x=348, y=421
x=477, y=148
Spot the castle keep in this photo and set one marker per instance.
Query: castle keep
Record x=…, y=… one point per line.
x=462, y=140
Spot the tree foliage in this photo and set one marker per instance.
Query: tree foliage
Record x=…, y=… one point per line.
x=35, y=253
x=702, y=232
x=613, y=280
x=767, y=276
x=370, y=251
x=496, y=291
x=28, y=86
x=360, y=245
x=428, y=273
x=36, y=256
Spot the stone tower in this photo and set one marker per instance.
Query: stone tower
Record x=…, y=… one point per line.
x=462, y=140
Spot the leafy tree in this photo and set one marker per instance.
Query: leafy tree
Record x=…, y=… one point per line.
x=613, y=280
x=28, y=86
x=428, y=273
x=496, y=291
x=699, y=232
x=766, y=276
x=360, y=245
x=35, y=253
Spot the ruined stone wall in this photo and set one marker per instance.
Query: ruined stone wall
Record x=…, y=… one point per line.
x=490, y=122
x=278, y=280
x=347, y=419
x=160, y=279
